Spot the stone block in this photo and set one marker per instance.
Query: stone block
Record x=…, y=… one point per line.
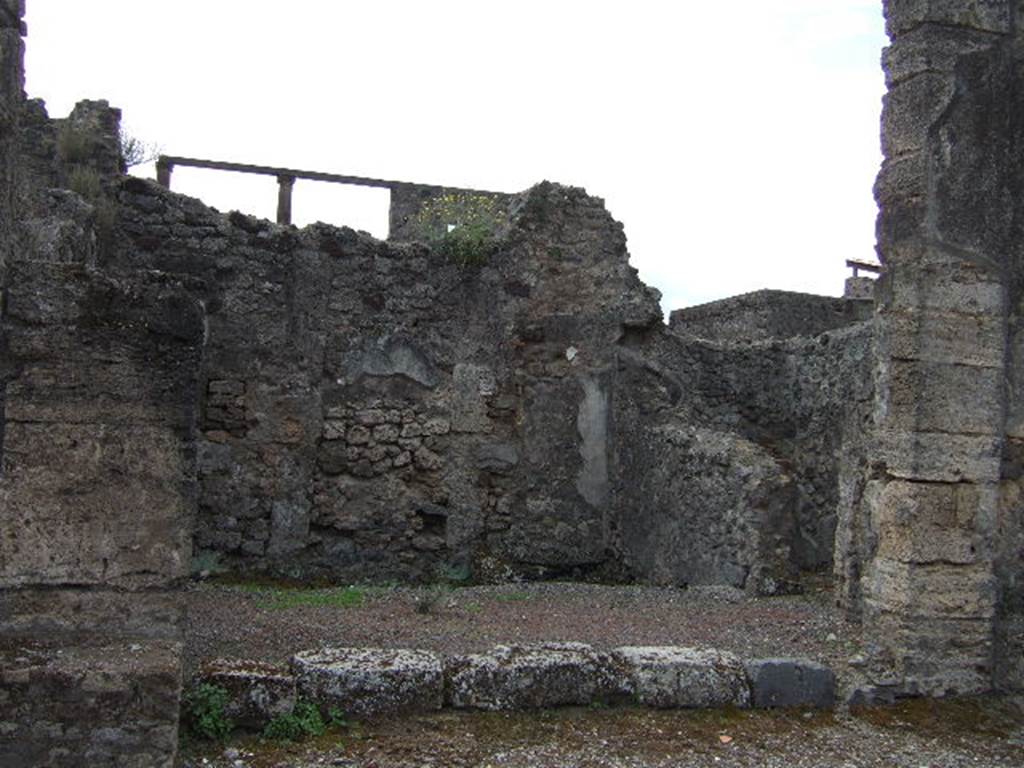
x=930, y=591
x=109, y=704
x=937, y=51
x=940, y=397
x=499, y=458
x=859, y=288
x=981, y=15
x=670, y=677
x=930, y=277
x=939, y=456
x=531, y=677
x=934, y=656
x=791, y=683
x=78, y=613
x=370, y=681
x=935, y=336
x=257, y=692
x=933, y=522
x=92, y=504
x=911, y=110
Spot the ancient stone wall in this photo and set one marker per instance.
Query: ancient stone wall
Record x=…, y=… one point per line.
x=689, y=411
x=937, y=522
x=318, y=403
x=374, y=410
x=767, y=314
x=97, y=472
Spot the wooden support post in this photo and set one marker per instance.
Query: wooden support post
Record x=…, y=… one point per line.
x=163, y=173
x=284, y=199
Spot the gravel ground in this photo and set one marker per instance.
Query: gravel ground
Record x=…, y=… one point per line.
x=983, y=733
x=270, y=624
x=241, y=621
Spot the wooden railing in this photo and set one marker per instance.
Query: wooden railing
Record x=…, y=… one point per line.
x=286, y=178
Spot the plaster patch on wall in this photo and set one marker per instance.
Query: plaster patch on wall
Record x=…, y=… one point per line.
x=592, y=423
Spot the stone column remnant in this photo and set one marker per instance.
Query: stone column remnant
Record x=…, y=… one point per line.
x=284, y=199
x=948, y=234
x=163, y=173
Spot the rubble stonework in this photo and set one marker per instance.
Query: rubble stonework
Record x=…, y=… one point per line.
x=317, y=403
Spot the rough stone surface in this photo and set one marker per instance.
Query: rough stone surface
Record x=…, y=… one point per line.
x=81, y=704
x=532, y=677
x=767, y=314
x=930, y=552
x=791, y=683
x=257, y=692
x=318, y=403
x=671, y=678
x=98, y=381
x=370, y=681
x=789, y=413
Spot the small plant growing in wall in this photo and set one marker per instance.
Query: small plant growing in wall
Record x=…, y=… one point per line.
x=74, y=146
x=135, y=151
x=304, y=720
x=462, y=225
x=206, y=707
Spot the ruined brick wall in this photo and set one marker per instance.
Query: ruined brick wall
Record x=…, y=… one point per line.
x=766, y=315
x=373, y=410
x=936, y=529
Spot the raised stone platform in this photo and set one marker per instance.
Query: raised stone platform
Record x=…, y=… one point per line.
x=368, y=682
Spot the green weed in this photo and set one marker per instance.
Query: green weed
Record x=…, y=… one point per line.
x=74, y=145
x=86, y=182
x=280, y=598
x=512, y=597
x=304, y=720
x=207, y=709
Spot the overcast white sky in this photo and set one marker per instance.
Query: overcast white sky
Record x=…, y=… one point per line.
x=737, y=142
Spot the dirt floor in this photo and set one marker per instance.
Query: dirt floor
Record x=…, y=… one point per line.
x=246, y=620
x=982, y=733
x=272, y=623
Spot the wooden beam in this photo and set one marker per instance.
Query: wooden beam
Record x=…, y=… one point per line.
x=868, y=266
x=265, y=170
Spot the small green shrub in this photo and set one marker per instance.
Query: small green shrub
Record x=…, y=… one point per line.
x=135, y=151
x=431, y=599
x=336, y=718
x=207, y=710
x=455, y=574
x=304, y=720
x=74, y=146
x=86, y=182
x=463, y=226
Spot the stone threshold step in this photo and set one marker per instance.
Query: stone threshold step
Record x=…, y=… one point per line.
x=367, y=682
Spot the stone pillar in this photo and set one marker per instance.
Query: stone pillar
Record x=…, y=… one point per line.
x=12, y=96
x=946, y=234
x=163, y=173
x=98, y=380
x=284, y=199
